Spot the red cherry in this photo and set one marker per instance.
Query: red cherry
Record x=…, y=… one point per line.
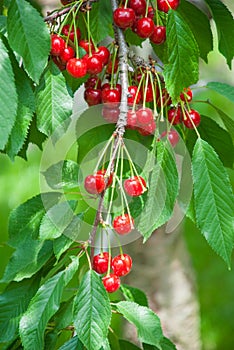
x=111, y=97
x=94, y=184
x=131, y=119
x=172, y=136
x=123, y=224
x=100, y=262
x=71, y=32
x=139, y=6
x=94, y=65
x=110, y=66
x=174, y=116
x=147, y=129
x=186, y=95
x=193, y=118
x=144, y=116
x=86, y=45
x=111, y=283
x=134, y=186
x=159, y=35
x=124, y=17
x=67, y=54
x=166, y=99
x=57, y=45
x=166, y=5
x=103, y=53
x=135, y=95
x=107, y=181
x=121, y=264
x=111, y=115
x=144, y=27
x=148, y=95
x=150, y=13
x=59, y=63
x=77, y=67
x=93, y=96
x=93, y=82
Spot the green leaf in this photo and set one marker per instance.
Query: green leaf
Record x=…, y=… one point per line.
x=165, y=344
x=213, y=200
x=25, y=111
x=202, y=32
x=8, y=96
x=134, y=294
x=228, y=122
x=162, y=193
x=3, y=24
x=57, y=219
x=60, y=245
x=53, y=101
x=92, y=311
x=225, y=28
x=63, y=174
x=182, y=68
x=161, y=51
x=29, y=37
x=72, y=344
x=43, y=306
x=74, y=83
x=146, y=321
x=132, y=38
x=13, y=303
x=126, y=345
x=101, y=18
x=223, y=89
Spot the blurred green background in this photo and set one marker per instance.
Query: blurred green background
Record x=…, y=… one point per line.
x=20, y=180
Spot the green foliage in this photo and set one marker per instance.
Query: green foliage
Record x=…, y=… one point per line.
x=223, y=89
x=134, y=294
x=101, y=20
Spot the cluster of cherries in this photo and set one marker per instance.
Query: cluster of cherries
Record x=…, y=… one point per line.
x=136, y=15
x=121, y=265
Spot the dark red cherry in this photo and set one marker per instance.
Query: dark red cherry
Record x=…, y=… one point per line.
x=145, y=27
x=57, y=45
x=94, y=184
x=192, y=120
x=172, y=136
x=135, y=186
x=100, y=262
x=77, y=67
x=159, y=35
x=151, y=12
x=144, y=116
x=94, y=64
x=123, y=224
x=111, y=282
x=93, y=96
x=148, y=129
x=108, y=180
x=93, y=82
x=67, y=30
x=111, y=97
x=139, y=6
x=67, y=54
x=124, y=17
x=174, y=116
x=103, y=53
x=166, y=5
x=86, y=45
x=186, y=95
x=121, y=264
x=135, y=95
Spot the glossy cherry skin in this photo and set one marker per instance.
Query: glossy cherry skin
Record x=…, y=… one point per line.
x=108, y=181
x=172, y=136
x=135, y=95
x=94, y=184
x=111, y=282
x=150, y=13
x=174, y=116
x=148, y=94
x=57, y=45
x=100, y=262
x=111, y=115
x=132, y=120
x=159, y=35
x=93, y=96
x=186, y=95
x=139, y=6
x=124, y=17
x=103, y=53
x=135, y=186
x=94, y=65
x=86, y=45
x=77, y=67
x=145, y=27
x=121, y=265
x=111, y=97
x=67, y=54
x=144, y=116
x=166, y=5
x=148, y=129
x=93, y=82
x=123, y=224
x=71, y=32
x=194, y=116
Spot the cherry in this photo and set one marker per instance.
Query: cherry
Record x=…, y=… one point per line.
x=77, y=67
x=111, y=282
x=59, y=63
x=186, y=95
x=144, y=116
x=149, y=96
x=166, y=5
x=123, y=224
x=93, y=96
x=124, y=17
x=174, y=116
x=94, y=184
x=110, y=66
x=108, y=180
x=159, y=35
x=111, y=115
x=103, y=53
x=121, y=264
x=94, y=64
x=150, y=13
x=135, y=95
x=86, y=45
x=100, y=262
x=144, y=27
x=131, y=119
x=67, y=54
x=93, y=82
x=139, y=6
x=135, y=186
x=57, y=45
x=193, y=118
x=68, y=31
x=172, y=136
x=111, y=97
x=147, y=129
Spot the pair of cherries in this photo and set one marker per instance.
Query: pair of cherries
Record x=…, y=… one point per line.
x=120, y=264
